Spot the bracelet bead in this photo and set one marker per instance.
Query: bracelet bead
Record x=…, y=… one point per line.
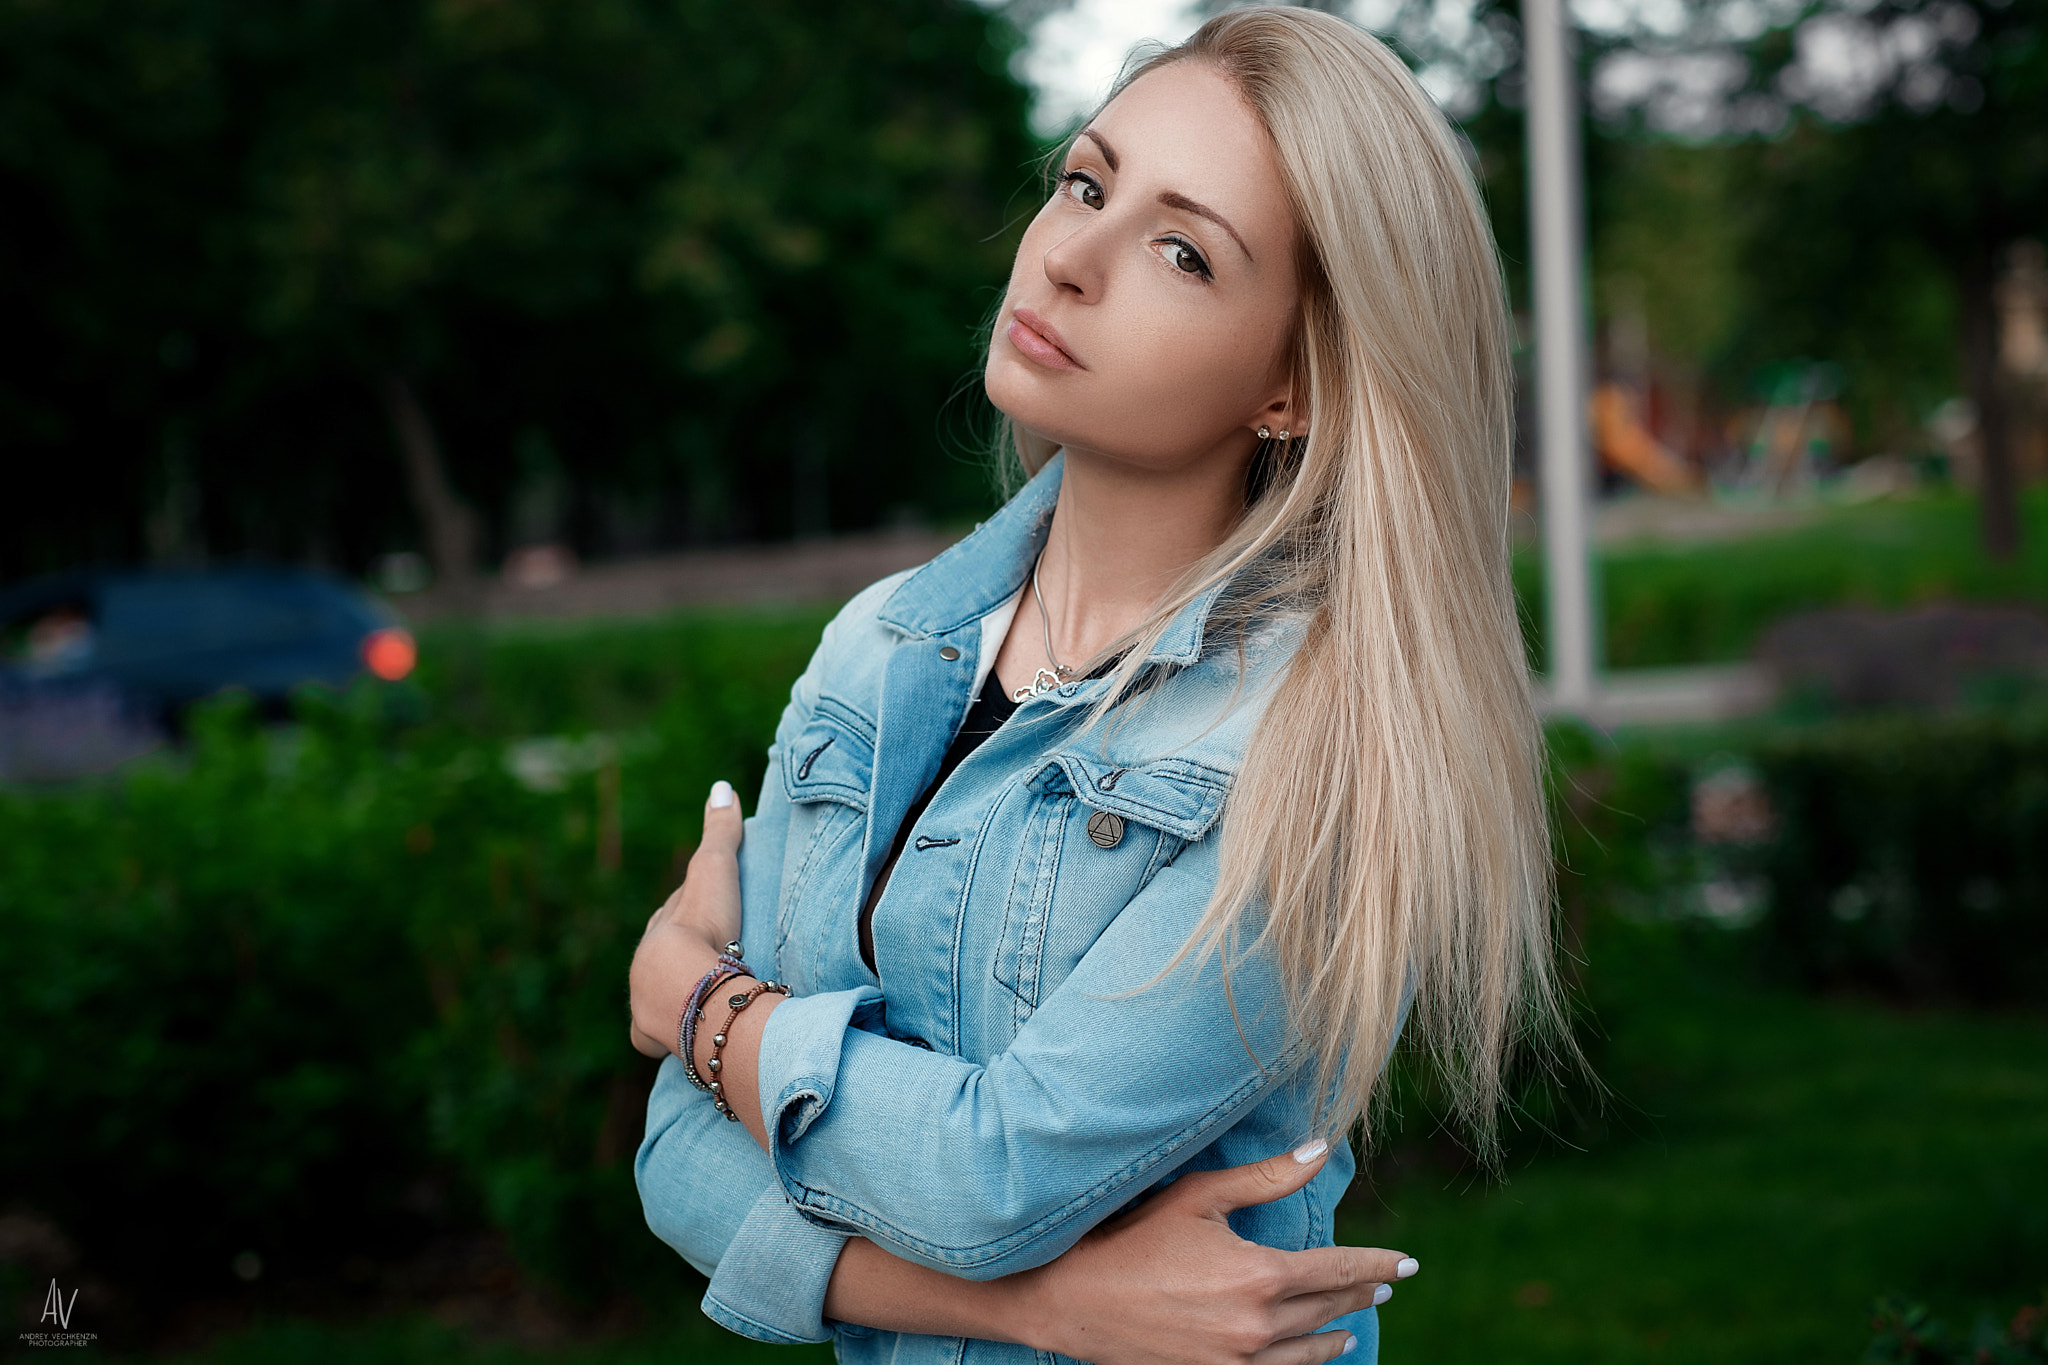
x=716, y=1064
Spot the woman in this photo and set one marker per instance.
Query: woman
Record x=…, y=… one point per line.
x=1106, y=853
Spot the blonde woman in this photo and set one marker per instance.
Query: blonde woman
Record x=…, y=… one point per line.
x=1104, y=856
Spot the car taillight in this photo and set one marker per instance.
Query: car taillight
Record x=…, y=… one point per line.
x=390, y=653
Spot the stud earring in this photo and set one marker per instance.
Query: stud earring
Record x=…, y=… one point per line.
x=1283, y=436
x=1265, y=433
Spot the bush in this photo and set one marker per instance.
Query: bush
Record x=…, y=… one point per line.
x=1905, y=855
x=319, y=990
x=1912, y=856
x=1908, y=1335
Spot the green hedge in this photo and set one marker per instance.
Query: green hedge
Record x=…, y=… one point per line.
x=1902, y=855
x=1907, y=1334
x=320, y=990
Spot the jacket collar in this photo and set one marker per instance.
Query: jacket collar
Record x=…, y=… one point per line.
x=973, y=577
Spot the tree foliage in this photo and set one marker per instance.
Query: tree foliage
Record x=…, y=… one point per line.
x=666, y=254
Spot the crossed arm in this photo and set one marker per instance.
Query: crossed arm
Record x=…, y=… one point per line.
x=1167, y=1281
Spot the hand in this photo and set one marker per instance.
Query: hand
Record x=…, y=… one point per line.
x=689, y=929
x=1169, y=1282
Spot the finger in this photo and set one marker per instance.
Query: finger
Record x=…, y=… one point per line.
x=1308, y=1312
x=721, y=823
x=1308, y=1350
x=674, y=899
x=1321, y=1269
x=1260, y=1182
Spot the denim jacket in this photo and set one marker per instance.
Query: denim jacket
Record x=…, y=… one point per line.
x=1021, y=1070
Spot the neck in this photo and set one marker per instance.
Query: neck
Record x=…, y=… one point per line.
x=1121, y=535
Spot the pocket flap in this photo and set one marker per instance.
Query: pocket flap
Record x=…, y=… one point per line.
x=831, y=759
x=1176, y=795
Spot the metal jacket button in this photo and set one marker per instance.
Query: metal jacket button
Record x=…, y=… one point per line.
x=1106, y=829
x=948, y=653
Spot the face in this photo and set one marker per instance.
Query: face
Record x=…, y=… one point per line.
x=1153, y=299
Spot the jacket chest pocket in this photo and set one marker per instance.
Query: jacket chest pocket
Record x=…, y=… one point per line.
x=1096, y=835
x=827, y=774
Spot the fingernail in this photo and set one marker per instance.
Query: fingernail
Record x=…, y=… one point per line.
x=1350, y=1345
x=1309, y=1151
x=1408, y=1266
x=721, y=794
x=1382, y=1294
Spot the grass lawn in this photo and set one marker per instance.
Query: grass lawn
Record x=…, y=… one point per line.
x=1708, y=602
x=1771, y=1165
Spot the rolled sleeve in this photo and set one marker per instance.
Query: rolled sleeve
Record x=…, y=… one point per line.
x=1116, y=1081
x=771, y=1283
x=800, y=1055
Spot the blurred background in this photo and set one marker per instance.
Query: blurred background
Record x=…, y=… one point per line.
x=436, y=431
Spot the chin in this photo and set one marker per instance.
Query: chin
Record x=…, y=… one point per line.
x=1017, y=389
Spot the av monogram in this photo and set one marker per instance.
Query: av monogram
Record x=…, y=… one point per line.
x=55, y=1305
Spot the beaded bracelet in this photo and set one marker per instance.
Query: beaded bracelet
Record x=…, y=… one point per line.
x=729, y=965
x=717, y=1062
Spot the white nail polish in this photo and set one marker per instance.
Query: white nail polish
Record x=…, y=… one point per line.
x=721, y=794
x=1408, y=1266
x=1382, y=1294
x=1350, y=1345
x=1309, y=1151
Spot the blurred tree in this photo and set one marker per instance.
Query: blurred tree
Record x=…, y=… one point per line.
x=670, y=251
x=1838, y=180
x=1919, y=157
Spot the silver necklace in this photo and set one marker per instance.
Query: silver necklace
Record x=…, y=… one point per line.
x=1047, y=678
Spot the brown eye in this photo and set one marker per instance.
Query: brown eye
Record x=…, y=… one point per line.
x=1184, y=257
x=1083, y=189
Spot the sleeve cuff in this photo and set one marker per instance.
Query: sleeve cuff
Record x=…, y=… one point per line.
x=778, y=1265
x=800, y=1057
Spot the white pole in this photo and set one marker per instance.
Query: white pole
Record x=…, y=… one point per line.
x=1557, y=231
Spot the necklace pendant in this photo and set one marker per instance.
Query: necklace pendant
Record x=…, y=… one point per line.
x=1045, y=681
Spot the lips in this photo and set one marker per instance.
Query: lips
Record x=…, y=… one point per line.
x=1036, y=339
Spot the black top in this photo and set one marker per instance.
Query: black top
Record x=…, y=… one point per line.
x=984, y=718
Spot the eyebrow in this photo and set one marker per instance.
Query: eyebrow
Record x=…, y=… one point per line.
x=1171, y=198
x=1108, y=152
x=1187, y=205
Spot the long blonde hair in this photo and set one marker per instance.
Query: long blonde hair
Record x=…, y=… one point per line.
x=1389, y=820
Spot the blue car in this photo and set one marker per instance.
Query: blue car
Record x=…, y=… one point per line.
x=97, y=661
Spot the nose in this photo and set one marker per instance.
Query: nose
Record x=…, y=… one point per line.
x=1074, y=264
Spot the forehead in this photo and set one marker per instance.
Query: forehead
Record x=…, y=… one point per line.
x=1185, y=128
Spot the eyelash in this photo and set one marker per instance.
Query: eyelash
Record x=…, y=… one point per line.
x=1201, y=271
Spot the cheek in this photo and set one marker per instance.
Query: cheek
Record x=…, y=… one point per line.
x=1187, y=377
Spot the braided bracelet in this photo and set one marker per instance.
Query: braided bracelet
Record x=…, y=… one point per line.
x=729, y=965
x=693, y=1014
x=717, y=1062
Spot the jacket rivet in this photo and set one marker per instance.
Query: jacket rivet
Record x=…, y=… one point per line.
x=948, y=653
x=1105, y=829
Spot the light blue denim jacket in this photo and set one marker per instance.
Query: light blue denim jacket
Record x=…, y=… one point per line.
x=1017, y=1074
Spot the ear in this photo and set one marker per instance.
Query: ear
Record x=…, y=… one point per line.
x=1282, y=414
